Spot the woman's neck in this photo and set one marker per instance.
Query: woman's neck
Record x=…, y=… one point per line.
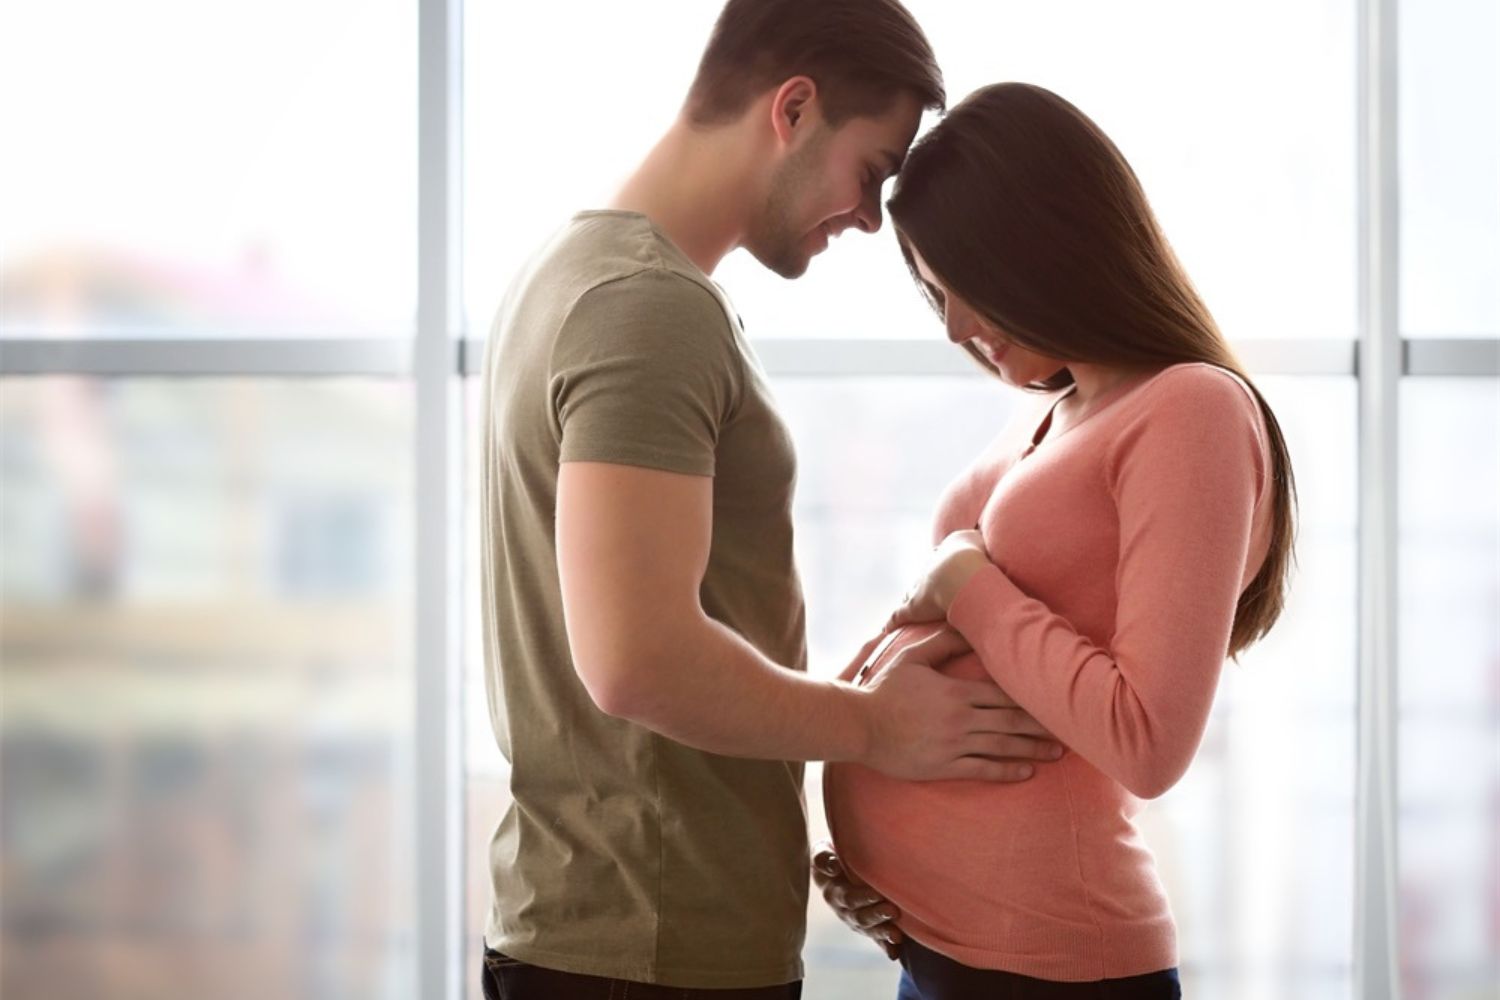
x=1096, y=381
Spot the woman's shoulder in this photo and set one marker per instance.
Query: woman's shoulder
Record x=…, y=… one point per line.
x=1198, y=388
x=1192, y=408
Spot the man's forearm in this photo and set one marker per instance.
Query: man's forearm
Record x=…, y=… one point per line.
x=706, y=687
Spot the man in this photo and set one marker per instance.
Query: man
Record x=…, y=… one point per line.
x=643, y=617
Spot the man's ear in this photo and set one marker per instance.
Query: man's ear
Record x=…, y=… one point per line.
x=793, y=107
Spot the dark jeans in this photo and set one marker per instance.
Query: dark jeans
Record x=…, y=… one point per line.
x=507, y=979
x=930, y=976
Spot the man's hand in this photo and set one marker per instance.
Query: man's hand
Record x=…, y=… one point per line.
x=955, y=560
x=859, y=906
x=924, y=726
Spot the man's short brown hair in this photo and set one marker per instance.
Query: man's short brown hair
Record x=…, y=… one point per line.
x=861, y=53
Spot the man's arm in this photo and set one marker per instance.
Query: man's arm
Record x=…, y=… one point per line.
x=632, y=549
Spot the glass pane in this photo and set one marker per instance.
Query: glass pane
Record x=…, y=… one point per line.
x=205, y=680
x=1254, y=843
x=1449, y=764
x=176, y=168
x=555, y=117
x=1449, y=78
x=1251, y=172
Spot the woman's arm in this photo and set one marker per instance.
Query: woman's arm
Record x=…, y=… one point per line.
x=1186, y=478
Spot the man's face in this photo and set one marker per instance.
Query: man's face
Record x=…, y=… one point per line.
x=829, y=183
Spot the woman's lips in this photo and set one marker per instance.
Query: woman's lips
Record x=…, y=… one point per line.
x=993, y=354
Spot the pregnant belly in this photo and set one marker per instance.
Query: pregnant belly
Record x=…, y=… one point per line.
x=973, y=863
x=918, y=840
x=936, y=846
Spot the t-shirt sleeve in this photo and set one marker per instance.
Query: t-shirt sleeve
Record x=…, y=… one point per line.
x=645, y=372
x=1188, y=475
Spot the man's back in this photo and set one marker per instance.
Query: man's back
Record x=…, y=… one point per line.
x=626, y=854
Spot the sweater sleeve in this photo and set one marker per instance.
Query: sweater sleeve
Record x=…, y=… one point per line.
x=1186, y=473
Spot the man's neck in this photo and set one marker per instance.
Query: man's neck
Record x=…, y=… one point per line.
x=693, y=186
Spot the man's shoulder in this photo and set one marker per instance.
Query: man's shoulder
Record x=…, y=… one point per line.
x=622, y=260
x=625, y=248
x=655, y=295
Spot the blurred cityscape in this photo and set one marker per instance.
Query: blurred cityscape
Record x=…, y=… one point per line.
x=205, y=663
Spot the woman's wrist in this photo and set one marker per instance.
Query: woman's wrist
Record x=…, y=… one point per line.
x=956, y=576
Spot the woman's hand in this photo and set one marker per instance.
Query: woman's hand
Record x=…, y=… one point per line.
x=859, y=906
x=956, y=559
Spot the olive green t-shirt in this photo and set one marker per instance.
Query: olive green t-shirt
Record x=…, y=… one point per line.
x=626, y=854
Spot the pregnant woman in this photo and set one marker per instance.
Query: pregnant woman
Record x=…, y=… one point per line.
x=1102, y=558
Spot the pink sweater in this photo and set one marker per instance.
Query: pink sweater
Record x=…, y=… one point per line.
x=1119, y=550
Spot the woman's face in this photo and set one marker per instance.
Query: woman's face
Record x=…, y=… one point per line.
x=1013, y=363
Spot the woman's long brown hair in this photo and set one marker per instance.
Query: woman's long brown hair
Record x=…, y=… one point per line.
x=1030, y=214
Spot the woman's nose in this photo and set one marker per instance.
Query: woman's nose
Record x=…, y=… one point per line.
x=959, y=330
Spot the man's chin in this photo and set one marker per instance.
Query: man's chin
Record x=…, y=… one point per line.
x=790, y=265
x=794, y=269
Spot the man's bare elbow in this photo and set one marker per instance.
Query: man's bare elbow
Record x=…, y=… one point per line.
x=609, y=685
x=628, y=672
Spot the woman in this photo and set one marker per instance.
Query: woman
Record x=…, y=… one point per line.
x=1102, y=558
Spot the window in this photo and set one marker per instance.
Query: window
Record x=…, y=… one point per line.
x=225, y=585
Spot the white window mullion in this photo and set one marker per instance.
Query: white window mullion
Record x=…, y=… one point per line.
x=1376, y=976
x=437, y=802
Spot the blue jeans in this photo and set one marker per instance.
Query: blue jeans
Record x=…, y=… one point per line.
x=505, y=978
x=929, y=976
